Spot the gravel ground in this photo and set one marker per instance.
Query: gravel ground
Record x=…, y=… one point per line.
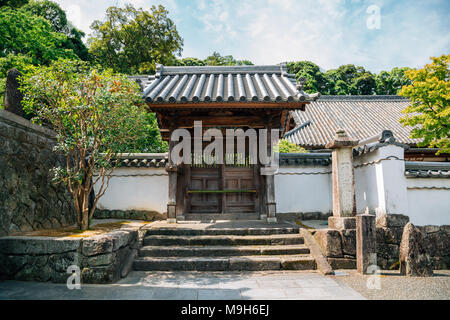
x=397, y=287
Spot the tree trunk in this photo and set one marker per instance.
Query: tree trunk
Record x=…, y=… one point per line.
x=84, y=211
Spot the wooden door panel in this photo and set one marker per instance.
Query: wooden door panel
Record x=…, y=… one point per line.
x=239, y=178
x=204, y=179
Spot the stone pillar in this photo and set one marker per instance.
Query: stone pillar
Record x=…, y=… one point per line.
x=366, y=248
x=271, y=204
x=171, y=169
x=12, y=100
x=344, y=204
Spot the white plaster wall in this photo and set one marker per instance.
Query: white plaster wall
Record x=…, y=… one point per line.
x=380, y=183
x=303, y=193
x=428, y=201
x=366, y=189
x=148, y=193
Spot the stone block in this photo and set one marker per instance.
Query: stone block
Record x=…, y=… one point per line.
x=97, y=245
x=414, y=258
x=341, y=223
x=392, y=220
x=342, y=263
x=366, y=251
x=349, y=242
x=295, y=263
x=330, y=242
x=387, y=255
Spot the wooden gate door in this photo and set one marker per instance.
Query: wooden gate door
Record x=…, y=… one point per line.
x=222, y=189
x=240, y=191
x=204, y=187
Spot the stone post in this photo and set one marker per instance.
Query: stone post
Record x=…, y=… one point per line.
x=344, y=204
x=366, y=249
x=171, y=169
x=12, y=100
x=271, y=204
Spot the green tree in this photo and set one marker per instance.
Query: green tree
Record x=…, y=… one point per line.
x=95, y=114
x=13, y=3
x=217, y=60
x=189, y=62
x=429, y=112
x=133, y=41
x=24, y=33
x=315, y=78
x=390, y=82
x=284, y=146
x=58, y=20
x=351, y=80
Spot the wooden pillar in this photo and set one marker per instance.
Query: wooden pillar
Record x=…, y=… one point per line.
x=171, y=169
x=344, y=204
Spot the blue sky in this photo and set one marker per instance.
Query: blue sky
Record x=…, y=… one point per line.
x=328, y=32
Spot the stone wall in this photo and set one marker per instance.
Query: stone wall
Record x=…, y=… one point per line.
x=28, y=198
x=389, y=236
x=101, y=259
x=339, y=246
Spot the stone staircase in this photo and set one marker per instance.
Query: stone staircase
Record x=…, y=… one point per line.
x=223, y=249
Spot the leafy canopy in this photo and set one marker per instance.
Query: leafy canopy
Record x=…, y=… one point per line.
x=133, y=40
x=54, y=14
x=24, y=33
x=284, y=146
x=429, y=112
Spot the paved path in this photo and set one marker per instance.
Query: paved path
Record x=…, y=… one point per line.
x=294, y=285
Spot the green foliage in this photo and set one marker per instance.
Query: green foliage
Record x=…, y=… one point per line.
x=24, y=33
x=315, y=78
x=213, y=60
x=429, y=112
x=13, y=3
x=391, y=82
x=133, y=40
x=217, y=60
x=53, y=13
x=284, y=146
x=188, y=62
x=350, y=80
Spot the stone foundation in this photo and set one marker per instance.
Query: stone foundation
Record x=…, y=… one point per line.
x=129, y=215
x=296, y=216
x=101, y=258
x=339, y=246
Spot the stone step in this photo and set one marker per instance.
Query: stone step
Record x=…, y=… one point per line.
x=243, y=263
x=212, y=251
x=221, y=231
x=207, y=217
x=223, y=240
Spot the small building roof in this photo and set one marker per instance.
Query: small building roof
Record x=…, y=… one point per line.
x=222, y=84
x=360, y=116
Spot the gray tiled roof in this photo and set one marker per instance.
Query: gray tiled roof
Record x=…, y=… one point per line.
x=143, y=160
x=360, y=116
x=222, y=84
x=418, y=169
